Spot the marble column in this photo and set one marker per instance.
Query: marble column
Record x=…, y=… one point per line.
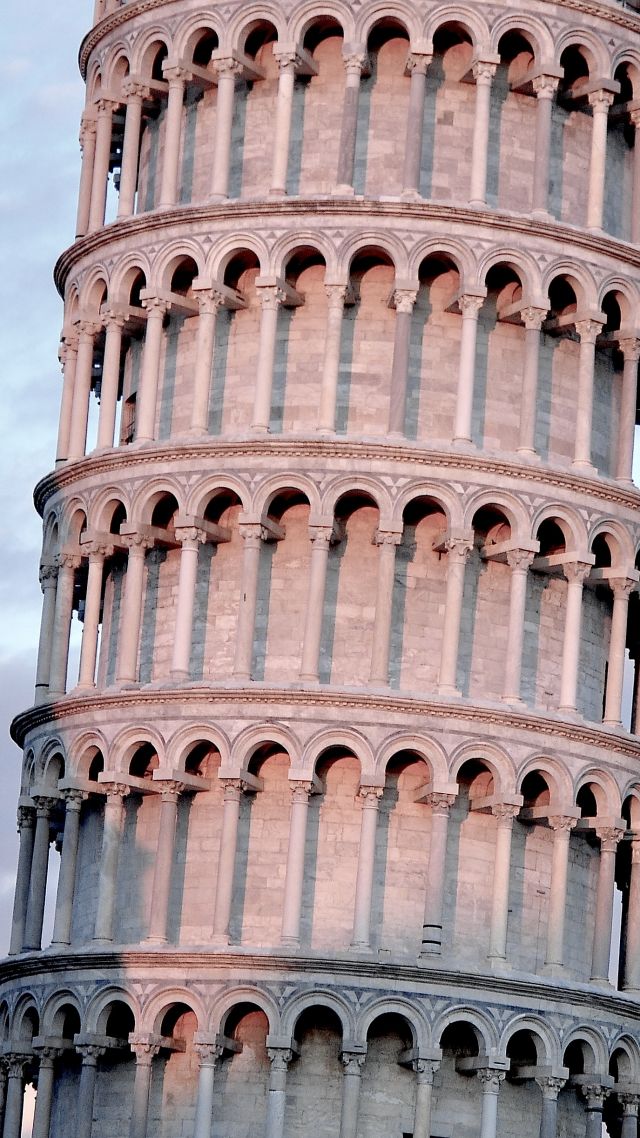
x=127, y=670
x=145, y=1051
x=631, y=979
x=279, y=1058
x=44, y=1097
x=26, y=830
x=15, y=1095
x=417, y=66
x=102, y=158
x=634, y=118
x=352, y=1063
x=163, y=865
x=227, y=860
x=87, y=331
x=621, y=588
x=68, y=864
x=91, y=626
x=629, y=1104
x=545, y=87
x=321, y=538
x=404, y=300
x=88, y=130
x=609, y=837
x=253, y=536
x=483, y=74
x=356, y=64
x=458, y=550
x=370, y=799
x=87, y=1088
x=190, y=538
x=288, y=62
x=108, y=872
x=425, y=1070
x=67, y=565
x=519, y=561
x=562, y=827
x=294, y=878
x=434, y=903
x=470, y=307
x=227, y=71
x=169, y=188
x=595, y=1096
x=550, y=1087
x=533, y=319
x=39, y=872
x=68, y=356
x=134, y=94
x=336, y=296
x=588, y=331
x=386, y=543
x=209, y=1054
x=271, y=300
x=491, y=1081
x=599, y=101
x=48, y=584
x=209, y=301
x=504, y=814
x=150, y=372
x=575, y=573
x=114, y=327
x=630, y=348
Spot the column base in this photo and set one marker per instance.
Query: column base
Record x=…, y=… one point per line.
x=309, y=678
x=513, y=700
x=218, y=199
x=583, y=467
x=555, y=971
x=601, y=981
x=615, y=723
x=463, y=443
x=329, y=432
x=179, y=676
x=624, y=481
x=362, y=949
x=542, y=215
x=477, y=203
x=290, y=941
x=529, y=454
x=498, y=964
x=343, y=191
x=155, y=940
x=276, y=192
x=411, y=196
x=449, y=691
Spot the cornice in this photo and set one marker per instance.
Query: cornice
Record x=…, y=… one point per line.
x=246, y=967
x=126, y=459
x=489, y=717
x=621, y=18
x=622, y=252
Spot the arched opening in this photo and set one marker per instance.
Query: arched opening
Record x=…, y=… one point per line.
x=314, y=1081
x=571, y=138
x=299, y=356
x=319, y=100
x=513, y=115
x=383, y=110
x=131, y=356
x=458, y=1093
x=283, y=588
x=218, y=585
x=351, y=585
x=174, y=1071
x=153, y=130
x=485, y=610
x=334, y=836
x=419, y=591
x=247, y=1066
x=236, y=343
x=116, y=1068
x=254, y=113
x=403, y=837
x=389, y=1038
x=434, y=352
x=366, y=350
x=449, y=115
x=499, y=361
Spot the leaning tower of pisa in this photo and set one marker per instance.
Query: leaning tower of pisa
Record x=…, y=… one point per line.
x=345, y=784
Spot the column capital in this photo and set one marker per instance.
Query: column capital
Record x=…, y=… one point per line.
x=26, y=818
x=176, y=75
x=519, y=560
x=115, y=790
x=630, y=347
x=404, y=300
x=209, y=300
x=622, y=586
x=135, y=89
x=137, y=543
x=88, y=328
x=209, y=1053
x=300, y=791
x=353, y=1061
x=562, y=822
x=601, y=100
x=322, y=535
x=457, y=548
x=576, y=571
x=609, y=837
x=106, y=106
x=629, y=1103
x=545, y=86
x=426, y=1070
x=68, y=347
x=44, y=805
x=111, y=318
x=73, y=799
x=15, y=1062
x=370, y=796
x=357, y=63
x=190, y=536
x=387, y=537
x=228, y=67
x=440, y=803
x=233, y=788
x=98, y=550
x=419, y=62
x=505, y=812
x=170, y=790
x=155, y=306
x=483, y=71
x=550, y=1086
x=90, y=1053
x=533, y=318
x=271, y=296
x=491, y=1078
x=588, y=330
x=336, y=294
x=289, y=59
x=48, y=575
x=145, y=1047
x=47, y=1053
x=88, y=128
x=68, y=560
x=595, y=1094
x=470, y=304
x=280, y=1057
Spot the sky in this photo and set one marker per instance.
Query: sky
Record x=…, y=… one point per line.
x=41, y=100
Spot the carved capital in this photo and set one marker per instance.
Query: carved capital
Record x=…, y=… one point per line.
x=545, y=86
x=336, y=295
x=357, y=63
x=387, y=537
x=550, y=1086
x=505, y=812
x=601, y=100
x=630, y=348
x=418, y=63
x=112, y=319
x=190, y=536
x=88, y=329
x=595, y=1094
x=519, y=560
x=622, y=587
x=26, y=818
x=300, y=792
x=134, y=89
x=483, y=72
x=576, y=572
x=629, y=1103
x=533, y=318
x=279, y=1057
x=44, y=805
x=588, y=330
x=144, y=1047
x=232, y=789
x=90, y=1053
x=370, y=796
x=470, y=305
x=404, y=300
x=561, y=822
x=209, y=1053
x=458, y=549
x=68, y=560
x=228, y=68
x=353, y=1062
x=609, y=837
x=491, y=1079
x=288, y=61
x=426, y=1070
x=440, y=803
x=48, y=576
x=155, y=307
x=106, y=106
x=114, y=790
x=73, y=800
x=271, y=297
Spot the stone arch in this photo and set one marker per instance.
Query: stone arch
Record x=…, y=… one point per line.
x=129, y=740
x=606, y=791
x=190, y=28
x=183, y=740
x=482, y=1024
x=170, y=259
x=99, y=1007
x=346, y=738
x=428, y=750
x=83, y=749
x=556, y=775
x=25, y=1021
x=505, y=503
x=441, y=497
x=348, y=484
x=107, y=504
x=52, y=764
x=580, y=279
x=225, y=251
x=302, y=1002
x=592, y=47
x=307, y=14
x=149, y=494
x=407, y=1011
x=156, y=1007
x=531, y=28
x=618, y=540
x=268, y=490
x=592, y=1039
x=94, y=291
x=146, y=48
x=541, y=1031
x=125, y=273
x=283, y=249
x=403, y=15
x=252, y=738
x=245, y=995
x=117, y=59
x=252, y=16
x=519, y=261
x=469, y=20
x=376, y=242
x=493, y=757
x=74, y=521
x=631, y=1050
x=627, y=292
x=203, y=493
x=452, y=249
x=55, y=1008
x=569, y=522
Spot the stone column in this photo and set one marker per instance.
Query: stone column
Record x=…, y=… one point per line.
x=253, y=536
x=44, y=1097
x=458, y=550
x=417, y=66
x=562, y=827
x=370, y=798
x=545, y=87
x=287, y=63
x=134, y=94
x=599, y=101
x=425, y=1070
x=39, y=870
x=279, y=1057
x=575, y=574
x=86, y=1090
x=88, y=148
x=432, y=922
x=631, y=979
x=102, y=157
x=271, y=298
x=68, y=863
x=209, y=1054
x=404, y=300
x=114, y=326
x=533, y=320
x=634, y=117
x=82, y=390
x=491, y=1081
x=629, y=1104
x=630, y=349
x=91, y=626
x=150, y=371
x=227, y=71
x=321, y=538
x=190, y=538
x=127, y=671
x=108, y=878
x=163, y=866
x=48, y=584
x=26, y=828
x=609, y=837
x=336, y=296
x=550, y=1087
x=209, y=302
x=352, y=1063
x=505, y=814
x=595, y=1096
x=483, y=74
x=294, y=879
x=470, y=307
x=176, y=77
x=15, y=1096
x=68, y=356
x=356, y=64
x=588, y=331
x=145, y=1050
x=227, y=860
x=67, y=565
x=519, y=561
x=622, y=588
x=3, y=1094
x=386, y=542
